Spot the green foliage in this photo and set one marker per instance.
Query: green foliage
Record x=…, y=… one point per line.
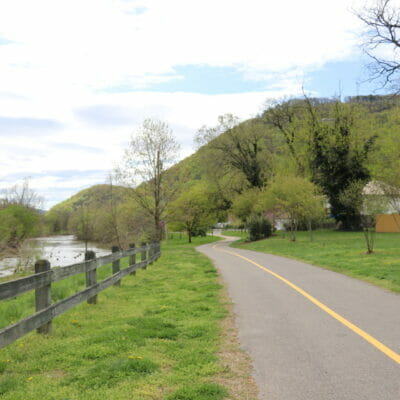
x=242, y=149
x=339, y=157
x=332, y=144
x=258, y=227
x=102, y=213
x=295, y=199
x=386, y=165
x=194, y=210
x=17, y=223
x=246, y=203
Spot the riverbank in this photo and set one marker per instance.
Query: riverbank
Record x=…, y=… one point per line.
x=60, y=250
x=158, y=336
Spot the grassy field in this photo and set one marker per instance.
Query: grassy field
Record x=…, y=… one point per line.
x=343, y=252
x=158, y=336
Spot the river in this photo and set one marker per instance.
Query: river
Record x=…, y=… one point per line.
x=59, y=250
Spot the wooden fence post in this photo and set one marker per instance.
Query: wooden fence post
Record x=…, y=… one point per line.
x=116, y=265
x=151, y=251
x=144, y=254
x=91, y=276
x=43, y=295
x=132, y=258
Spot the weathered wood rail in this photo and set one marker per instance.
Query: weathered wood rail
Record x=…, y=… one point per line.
x=44, y=276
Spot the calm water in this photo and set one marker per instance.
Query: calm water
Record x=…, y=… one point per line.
x=59, y=250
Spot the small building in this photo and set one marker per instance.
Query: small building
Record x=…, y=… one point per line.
x=389, y=197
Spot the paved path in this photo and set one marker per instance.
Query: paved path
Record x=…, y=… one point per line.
x=342, y=342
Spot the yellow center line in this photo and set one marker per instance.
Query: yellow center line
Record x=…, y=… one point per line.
x=370, y=339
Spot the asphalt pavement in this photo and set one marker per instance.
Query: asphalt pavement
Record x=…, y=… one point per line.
x=312, y=334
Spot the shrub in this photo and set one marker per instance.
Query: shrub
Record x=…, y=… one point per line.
x=259, y=227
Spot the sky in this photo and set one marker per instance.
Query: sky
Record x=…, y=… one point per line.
x=78, y=77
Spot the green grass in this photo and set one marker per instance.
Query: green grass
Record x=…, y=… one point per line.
x=155, y=337
x=344, y=252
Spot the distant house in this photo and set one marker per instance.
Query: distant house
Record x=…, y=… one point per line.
x=388, y=220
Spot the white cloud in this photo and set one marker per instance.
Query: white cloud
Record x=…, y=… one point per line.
x=64, y=61
x=74, y=45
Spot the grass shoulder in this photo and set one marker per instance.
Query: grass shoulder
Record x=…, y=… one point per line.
x=158, y=336
x=342, y=252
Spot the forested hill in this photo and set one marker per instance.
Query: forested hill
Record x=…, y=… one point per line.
x=236, y=162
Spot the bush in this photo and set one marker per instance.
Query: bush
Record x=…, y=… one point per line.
x=200, y=231
x=17, y=224
x=259, y=227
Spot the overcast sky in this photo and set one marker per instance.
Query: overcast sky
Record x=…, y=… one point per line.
x=77, y=76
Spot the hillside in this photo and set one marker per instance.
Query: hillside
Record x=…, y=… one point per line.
x=234, y=162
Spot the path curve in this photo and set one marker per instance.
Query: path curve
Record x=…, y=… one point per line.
x=299, y=350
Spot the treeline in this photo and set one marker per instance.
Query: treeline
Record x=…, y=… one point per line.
x=103, y=213
x=300, y=160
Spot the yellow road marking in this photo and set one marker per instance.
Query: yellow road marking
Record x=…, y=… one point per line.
x=376, y=343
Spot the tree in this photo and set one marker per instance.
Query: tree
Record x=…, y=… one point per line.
x=151, y=150
x=239, y=148
x=194, y=210
x=246, y=204
x=17, y=223
x=288, y=117
x=258, y=227
x=19, y=215
x=114, y=215
x=22, y=195
x=295, y=199
x=368, y=202
x=338, y=157
x=382, y=21
x=206, y=134
x=386, y=168
x=82, y=224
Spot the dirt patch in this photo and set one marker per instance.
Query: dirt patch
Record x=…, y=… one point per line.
x=236, y=376
x=56, y=373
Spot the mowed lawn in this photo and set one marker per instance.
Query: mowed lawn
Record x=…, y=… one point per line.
x=155, y=337
x=344, y=252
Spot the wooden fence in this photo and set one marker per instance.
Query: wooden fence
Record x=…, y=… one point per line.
x=44, y=276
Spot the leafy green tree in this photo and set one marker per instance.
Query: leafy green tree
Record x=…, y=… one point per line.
x=295, y=199
x=288, y=117
x=330, y=143
x=246, y=204
x=339, y=156
x=386, y=165
x=17, y=223
x=82, y=224
x=240, y=149
x=193, y=210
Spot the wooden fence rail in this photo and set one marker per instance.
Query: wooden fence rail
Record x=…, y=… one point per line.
x=44, y=276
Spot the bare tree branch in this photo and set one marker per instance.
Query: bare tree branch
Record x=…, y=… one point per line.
x=150, y=152
x=382, y=23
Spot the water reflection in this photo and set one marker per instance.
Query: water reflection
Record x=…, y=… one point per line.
x=59, y=250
